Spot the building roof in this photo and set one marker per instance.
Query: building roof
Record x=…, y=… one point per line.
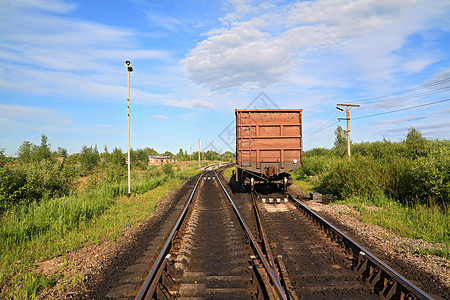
x=159, y=156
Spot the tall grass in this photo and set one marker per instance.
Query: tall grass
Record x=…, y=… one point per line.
x=228, y=172
x=427, y=222
x=30, y=233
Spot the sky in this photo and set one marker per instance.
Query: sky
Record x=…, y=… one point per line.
x=62, y=70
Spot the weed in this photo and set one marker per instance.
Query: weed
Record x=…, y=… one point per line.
x=437, y=251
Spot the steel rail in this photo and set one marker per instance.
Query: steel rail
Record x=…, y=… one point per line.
x=166, y=248
x=273, y=277
x=365, y=256
x=262, y=232
x=267, y=250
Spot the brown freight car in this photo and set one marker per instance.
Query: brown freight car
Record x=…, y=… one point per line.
x=268, y=144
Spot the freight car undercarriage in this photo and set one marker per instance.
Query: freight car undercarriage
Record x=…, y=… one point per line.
x=249, y=178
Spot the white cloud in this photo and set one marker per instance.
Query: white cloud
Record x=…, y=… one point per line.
x=239, y=8
x=56, y=6
x=55, y=43
x=439, y=130
x=264, y=44
x=165, y=21
x=397, y=121
x=161, y=117
x=445, y=111
x=384, y=104
x=54, y=54
x=196, y=103
x=417, y=65
x=238, y=56
x=32, y=114
x=442, y=77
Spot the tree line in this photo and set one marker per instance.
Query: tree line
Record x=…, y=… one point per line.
x=39, y=173
x=90, y=157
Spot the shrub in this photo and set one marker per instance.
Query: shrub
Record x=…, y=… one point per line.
x=168, y=169
x=89, y=158
x=415, y=171
x=430, y=177
x=40, y=180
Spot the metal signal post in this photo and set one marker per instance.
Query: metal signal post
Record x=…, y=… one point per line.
x=129, y=69
x=199, y=148
x=348, y=122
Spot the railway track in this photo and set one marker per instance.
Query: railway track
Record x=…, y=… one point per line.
x=322, y=262
x=211, y=253
x=238, y=247
x=316, y=268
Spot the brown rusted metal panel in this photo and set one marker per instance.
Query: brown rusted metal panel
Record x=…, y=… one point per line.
x=269, y=139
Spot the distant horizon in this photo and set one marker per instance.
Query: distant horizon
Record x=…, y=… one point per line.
x=101, y=149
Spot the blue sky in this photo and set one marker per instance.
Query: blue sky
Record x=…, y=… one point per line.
x=62, y=69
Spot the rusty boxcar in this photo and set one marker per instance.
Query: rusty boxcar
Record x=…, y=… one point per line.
x=268, y=144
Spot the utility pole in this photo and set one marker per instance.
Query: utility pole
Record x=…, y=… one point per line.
x=129, y=69
x=348, y=122
x=190, y=153
x=199, y=148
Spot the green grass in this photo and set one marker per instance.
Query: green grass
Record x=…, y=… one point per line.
x=228, y=172
x=306, y=186
x=34, y=233
x=429, y=223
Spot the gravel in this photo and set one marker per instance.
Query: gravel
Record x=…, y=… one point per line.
x=429, y=272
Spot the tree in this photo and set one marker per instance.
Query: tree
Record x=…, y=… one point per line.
x=142, y=156
x=62, y=152
x=24, y=152
x=116, y=157
x=340, y=138
x=89, y=158
x=340, y=141
x=138, y=157
x=43, y=151
x=3, y=158
x=182, y=155
x=105, y=155
x=150, y=151
x=115, y=169
x=229, y=156
x=415, y=143
x=168, y=153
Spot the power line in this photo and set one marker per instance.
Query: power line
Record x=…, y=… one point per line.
x=320, y=130
x=419, y=119
x=424, y=86
x=318, y=124
x=401, y=109
x=378, y=114
x=420, y=94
